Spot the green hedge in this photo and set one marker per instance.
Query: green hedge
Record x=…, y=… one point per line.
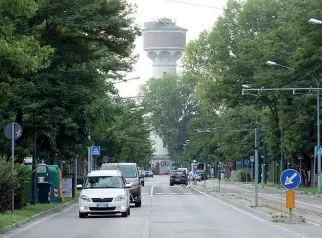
x=23, y=184
x=19, y=182
x=7, y=183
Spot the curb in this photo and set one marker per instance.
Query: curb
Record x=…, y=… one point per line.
x=37, y=216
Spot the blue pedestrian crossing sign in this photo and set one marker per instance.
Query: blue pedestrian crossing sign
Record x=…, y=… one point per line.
x=318, y=150
x=290, y=179
x=246, y=161
x=96, y=150
x=195, y=171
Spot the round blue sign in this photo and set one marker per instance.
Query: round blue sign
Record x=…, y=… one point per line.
x=290, y=179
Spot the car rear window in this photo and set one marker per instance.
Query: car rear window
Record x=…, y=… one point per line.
x=178, y=173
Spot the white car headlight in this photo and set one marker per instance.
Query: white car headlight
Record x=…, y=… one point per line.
x=85, y=198
x=119, y=198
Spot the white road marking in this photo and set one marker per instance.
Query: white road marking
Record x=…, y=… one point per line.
x=173, y=193
x=151, y=192
x=158, y=193
x=231, y=206
x=30, y=225
x=145, y=193
x=313, y=223
x=249, y=214
x=188, y=193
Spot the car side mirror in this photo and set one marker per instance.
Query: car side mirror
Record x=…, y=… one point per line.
x=79, y=186
x=128, y=185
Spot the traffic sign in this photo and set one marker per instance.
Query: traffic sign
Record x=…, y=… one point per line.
x=318, y=150
x=96, y=150
x=290, y=179
x=195, y=171
x=246, y=161
x=17, y=131
x=252, y=159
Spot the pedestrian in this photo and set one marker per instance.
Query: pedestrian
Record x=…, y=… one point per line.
x=190, y=177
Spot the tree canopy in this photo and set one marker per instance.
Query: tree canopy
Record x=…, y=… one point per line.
x=59, y=62
x=171, y=103
x=234, y=53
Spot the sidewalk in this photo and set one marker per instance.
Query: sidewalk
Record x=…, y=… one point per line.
x=271, y=200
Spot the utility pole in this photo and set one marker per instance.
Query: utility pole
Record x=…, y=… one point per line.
x=256, y=163
x=265, y=160
x=318, y=128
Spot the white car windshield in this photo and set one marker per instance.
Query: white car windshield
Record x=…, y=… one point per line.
x=104, y=182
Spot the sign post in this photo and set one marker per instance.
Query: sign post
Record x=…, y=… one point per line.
x=13, y=131
x=318, y=154
x=290, y=180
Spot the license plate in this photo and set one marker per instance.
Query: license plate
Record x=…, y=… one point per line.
x=101, y=205
x=178, y=180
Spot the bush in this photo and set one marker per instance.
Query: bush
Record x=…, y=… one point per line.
x=7, y=184
x=23, y=184
x=243, y=173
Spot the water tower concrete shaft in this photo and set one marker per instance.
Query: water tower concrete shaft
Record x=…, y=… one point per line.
x=164, y=43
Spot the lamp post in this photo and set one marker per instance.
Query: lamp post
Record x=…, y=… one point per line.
x=318, y=22
x=317, y=111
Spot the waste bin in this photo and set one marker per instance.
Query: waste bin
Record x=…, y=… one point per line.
x=44, y=192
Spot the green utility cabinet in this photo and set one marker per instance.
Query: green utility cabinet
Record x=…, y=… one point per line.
x=48, y=183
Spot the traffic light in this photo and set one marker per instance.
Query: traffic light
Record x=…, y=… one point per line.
x=194, y=160
x=208, y=165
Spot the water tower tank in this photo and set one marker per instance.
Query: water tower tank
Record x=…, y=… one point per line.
x=164, y=43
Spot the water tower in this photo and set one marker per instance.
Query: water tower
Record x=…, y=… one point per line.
x=164, y=43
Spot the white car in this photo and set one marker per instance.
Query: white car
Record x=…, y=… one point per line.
x=104, y=192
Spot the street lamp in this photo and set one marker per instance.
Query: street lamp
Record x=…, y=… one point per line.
x=276, y=64
x=245, y=86
x=125, y=80
x=317, y=105
x=315, y=21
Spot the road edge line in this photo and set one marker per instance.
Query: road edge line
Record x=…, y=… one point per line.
x=231, y=206
x=52, y=211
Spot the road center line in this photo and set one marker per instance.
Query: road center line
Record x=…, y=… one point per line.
x=151, y=192
x=158, y=193
x=173, y=193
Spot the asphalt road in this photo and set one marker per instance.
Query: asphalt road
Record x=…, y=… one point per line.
x=166, y=212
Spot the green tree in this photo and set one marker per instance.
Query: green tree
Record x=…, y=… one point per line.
x=127, y=138
x=70, y=99
x=171, y=103
x=234, y=52
x=19, y=53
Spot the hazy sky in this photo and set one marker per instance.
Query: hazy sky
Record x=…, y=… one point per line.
x=194, y=18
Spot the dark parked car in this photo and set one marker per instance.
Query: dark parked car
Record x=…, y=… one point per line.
x=149, y=174
x=132, y=176
x=178, y=177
